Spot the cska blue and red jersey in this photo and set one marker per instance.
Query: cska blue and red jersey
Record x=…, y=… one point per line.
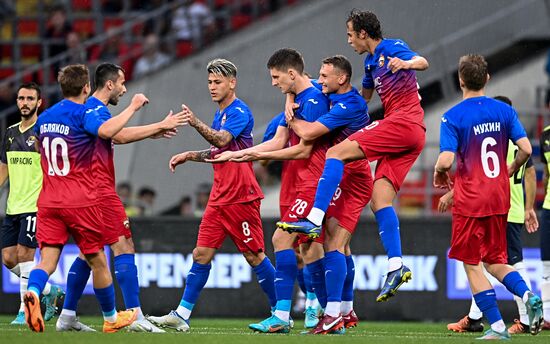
x=234, y=182
x=477, y=130
x=398, y=91
x=67, y=133
x=312, y=104
x=103, y=163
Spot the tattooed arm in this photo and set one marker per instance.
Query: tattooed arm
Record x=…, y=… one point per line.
x=218, y=138
x=178, y=159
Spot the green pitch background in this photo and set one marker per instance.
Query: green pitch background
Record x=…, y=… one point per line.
x=234, y=331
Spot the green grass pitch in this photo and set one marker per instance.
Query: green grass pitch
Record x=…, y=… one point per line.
x=234, y=331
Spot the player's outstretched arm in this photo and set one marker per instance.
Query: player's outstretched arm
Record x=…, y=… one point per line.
x=444, y=163
x=133, y=134
x=308, y=131
x=198, y=156
x=524, y=152
x=111, y=127
x=531, y=221
x=217, y=138
x=416, y=63
x=300, y=151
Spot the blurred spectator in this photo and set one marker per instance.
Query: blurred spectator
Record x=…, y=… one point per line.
x=152, y=59
x=7, y=100
x=202, y=195
x=112, y=6
x=146, y=201
x=124, y=191
x=183, y=208
x=547, y=100
x=113, y=50
x=193, y=22
x=57, y=30
x=75, y=50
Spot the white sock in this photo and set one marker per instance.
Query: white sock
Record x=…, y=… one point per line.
x=139, y=313
x=522, y=310
x=545, y=288
x=25, y=270
x=110, y=318
x=47, y=288
x=499, y=326
x=394, y=263
x=316, y=216
x=333, y=308
x=183, y=312
x=346, y=307
x=475, y=313
x=68, y=313
x=283, y=315
x=311, y=303
x=16, y=271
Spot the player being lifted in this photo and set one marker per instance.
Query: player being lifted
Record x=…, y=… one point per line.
x=395, y=142
x=286, y=67
x=233, y=208
x=477, y=130
x=68, y=201
x=109, y=81
x=20, y=163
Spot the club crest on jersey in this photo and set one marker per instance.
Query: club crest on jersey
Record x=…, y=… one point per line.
x=31, y=140
x=224, y=118
x=126, y=224
x=381, y=61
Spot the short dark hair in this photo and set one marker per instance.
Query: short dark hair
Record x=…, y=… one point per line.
x=504, y=99
x=31, y=86
x=341, y=62
x=473, y=71
x=365, y=20
x=286, y=58
x=144, y=191
x=72, y=79
x=105, y=72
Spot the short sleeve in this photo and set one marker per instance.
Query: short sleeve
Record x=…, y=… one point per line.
x=92, y=122
x=448, y=136
x=401, y=50
x=3, y=149
x=338, y=116
x=544, y=145
x=368, y=82
x=236, y=121
x=313, y=107
x=272, y=127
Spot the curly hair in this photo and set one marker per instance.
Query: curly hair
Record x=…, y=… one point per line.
x=365, y=20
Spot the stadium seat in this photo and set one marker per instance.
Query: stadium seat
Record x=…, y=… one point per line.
x=6, y=72
x=81, y=5
x=239, y=21
x=84, y=27
x=6, y=50
x=31, y=51
x=112, y=22
x=184, y=48
x=27, y=28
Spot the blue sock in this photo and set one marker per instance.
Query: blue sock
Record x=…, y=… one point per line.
x=78, y=275
x=266, y=276
x=106, y=298
x=301, y=280
x=347, y=292
x=196, y=279
x=37, y=280
x=388, y=225
x=307, y=281
x=515, y=284
x=335, y=274
x=487, y=303
x=285, y=275
x=328, y=183
x=126, y=275
x=317, y=272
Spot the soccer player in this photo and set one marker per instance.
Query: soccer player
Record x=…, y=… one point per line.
x=521, y=214
x=68, y=201
x=286, y=67
x=20, y=163
x=287, y=195
x=395, y=142
x=348, y=114
x=109, y=82
x=545, y=227
x=233, y=208
x=478, y=130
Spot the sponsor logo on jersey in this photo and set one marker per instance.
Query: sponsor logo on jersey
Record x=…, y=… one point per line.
x=20, y=161
x=224, y=118
x=381, y=61
x=30, y=141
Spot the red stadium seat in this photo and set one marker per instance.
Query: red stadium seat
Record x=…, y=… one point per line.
x=184, y=48
x=239, y=21
x=28, y=28
x=31, y=51
x=6, y=50
x=112, y=22
x=6, y=72
x=84, y=27
x=82, y=5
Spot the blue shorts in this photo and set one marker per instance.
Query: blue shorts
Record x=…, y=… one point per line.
x=513, y=237
x=545, y=235
x=19, y=229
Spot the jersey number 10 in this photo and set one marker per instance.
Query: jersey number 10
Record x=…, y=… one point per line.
x=51, y=152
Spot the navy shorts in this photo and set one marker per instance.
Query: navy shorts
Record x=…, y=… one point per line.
x=545, y=235
x=513, y=237
x=19, y=229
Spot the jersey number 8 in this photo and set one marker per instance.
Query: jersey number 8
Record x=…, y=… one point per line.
x=51, y=150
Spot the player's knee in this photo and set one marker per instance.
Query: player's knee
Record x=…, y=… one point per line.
x=25, y=254
x=282, y=240
x=202, y=255
x=253, y=258
x=97, y=261
x=123, y=246
x=9, y=259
